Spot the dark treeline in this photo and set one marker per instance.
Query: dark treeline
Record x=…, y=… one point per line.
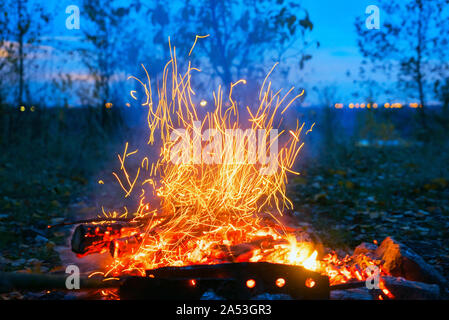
x=245, y=38
x=116, y=38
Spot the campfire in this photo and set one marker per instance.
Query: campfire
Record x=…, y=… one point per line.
x=213, y=213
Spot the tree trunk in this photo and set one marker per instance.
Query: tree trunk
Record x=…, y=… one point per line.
x=20, y=42
x=419, y=75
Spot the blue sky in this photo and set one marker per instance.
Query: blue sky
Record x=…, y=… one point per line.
x=333, y=28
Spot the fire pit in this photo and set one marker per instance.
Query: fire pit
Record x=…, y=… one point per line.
x=221, y=221
x=232, y=281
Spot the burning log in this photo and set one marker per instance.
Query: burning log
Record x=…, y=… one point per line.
x=400, y=288
x=365, y=255
x=401, y=261
x=103, y=237
x=244, y=251
x=94, y=238
x=128, y=245
x=367, y=249
x=403, y=289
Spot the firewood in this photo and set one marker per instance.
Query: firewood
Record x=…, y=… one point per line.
x=403, y=289
x=401, y=261
x=128, y=245
x=93, y=238
x=96, y=238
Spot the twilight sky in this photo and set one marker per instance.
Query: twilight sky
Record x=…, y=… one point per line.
x=333, y=28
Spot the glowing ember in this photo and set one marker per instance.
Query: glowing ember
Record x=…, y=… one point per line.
x=310, y=283
x=251, y=283
x=280, y=282
x=217, y=202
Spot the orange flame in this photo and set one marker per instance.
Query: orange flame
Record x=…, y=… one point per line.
x=224, y=209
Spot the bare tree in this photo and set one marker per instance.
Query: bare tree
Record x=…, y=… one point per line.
x=243, y=34
x=410, y=43
x=21, y=26
x=102, y=53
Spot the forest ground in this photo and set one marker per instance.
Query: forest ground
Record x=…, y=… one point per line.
x=349, y=194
